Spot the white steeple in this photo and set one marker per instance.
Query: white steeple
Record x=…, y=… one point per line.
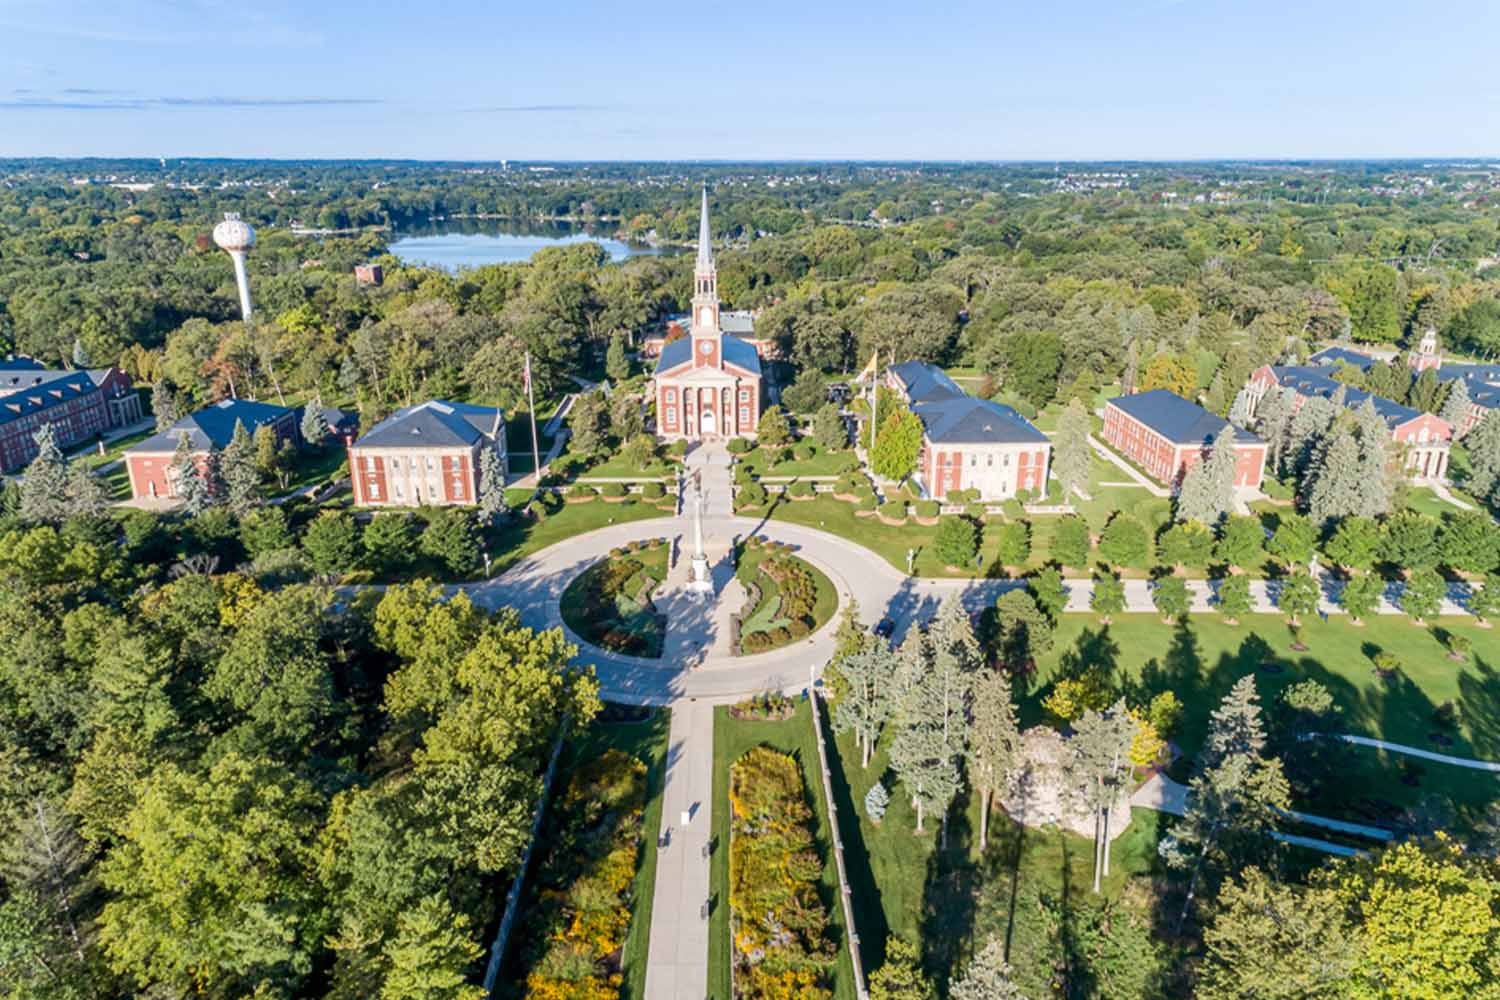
x=705, y=280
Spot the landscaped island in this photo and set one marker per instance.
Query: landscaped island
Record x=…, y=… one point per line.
x=609, y=604
x=787, y=598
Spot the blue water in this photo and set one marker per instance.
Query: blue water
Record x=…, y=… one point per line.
x=474, y=244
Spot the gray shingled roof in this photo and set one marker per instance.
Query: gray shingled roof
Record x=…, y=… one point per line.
x=32, y=390
x=1305, y=380
x=1176, y=419
x=436, y=423
x=1482, y=381
x=212, y=426
x=1331, y=356
x=926, y=383
x=737, y=352
x=966, y=420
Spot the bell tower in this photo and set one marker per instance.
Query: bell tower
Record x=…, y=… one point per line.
x=705, y=283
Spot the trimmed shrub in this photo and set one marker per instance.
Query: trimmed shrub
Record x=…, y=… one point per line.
x=677, y=449
x=738, y=446
x=582, y=491
x=612, y=491
x=802, y=452
x=927, y=508
x=866, y=502
x=653, y=491
x=752, y=495
x=801, y=490
x=536, y=510
x=877, y=799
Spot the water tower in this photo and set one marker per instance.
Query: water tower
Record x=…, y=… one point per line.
x=236, y=237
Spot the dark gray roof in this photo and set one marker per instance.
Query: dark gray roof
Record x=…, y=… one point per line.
x=1482, y=381
x=1176, y=419
x=966, y=420
x=213, y=426
x=1331, y=356
x=926, y=383
x=1309, y=381
x=19, y=362
x=740, y=353
x=435, y=423
x=29, y=395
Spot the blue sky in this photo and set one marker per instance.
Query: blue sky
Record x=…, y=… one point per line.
x=767, y=79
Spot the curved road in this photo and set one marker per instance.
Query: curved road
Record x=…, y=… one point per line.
x=535, y=586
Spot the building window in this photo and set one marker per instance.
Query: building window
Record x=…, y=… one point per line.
x=990, y=462
x=973, y=461
x=671, y=395
x=396, y=490
x=374, y=491
x=744, y=414
x=744, y=393
x=671, y=415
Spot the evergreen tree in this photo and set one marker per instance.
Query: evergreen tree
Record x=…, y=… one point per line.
x=1312, y=421
x=829, y=428
x=80, y=356
x=1023, y=631
x=877, y=801
x=1108, y=598
x=626, y=420
x=491, y=485
x=932, y=733
x=988, y=975
x=1132, y=367
x=901, y=976
x=1239, y=410
x=1274, y=419
x=1425, y=389
x=165, y=405
x=241, y=474
x=1097, y=771
x=1376, y=467
x=773, y=429
x=1455, y=409
x=616, y=364
x=188, y=481
x=1071, y=541
x=868, y=696
x=1207, y=491
x=994, y=741
x=449, y=538
x=1072, y=455
x=586, y=423
x=314, y=427
x=44, y=484
x=1337, y=480
x=898, y=443
x=87, y=494
x=1483, y=446
x=1235, y=799
x=1270, y=940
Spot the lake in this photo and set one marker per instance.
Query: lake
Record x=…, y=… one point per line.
x=453, y=244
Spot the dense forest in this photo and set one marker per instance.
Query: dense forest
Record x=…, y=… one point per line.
x=218, y=783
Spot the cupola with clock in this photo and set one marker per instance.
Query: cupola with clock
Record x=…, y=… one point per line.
x=705, y=322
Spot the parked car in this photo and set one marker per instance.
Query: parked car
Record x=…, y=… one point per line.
x=885, y=628
x=838, y=392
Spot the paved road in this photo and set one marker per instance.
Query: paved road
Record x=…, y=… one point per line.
x=677, y=962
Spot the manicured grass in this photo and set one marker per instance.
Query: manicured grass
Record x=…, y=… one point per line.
x=951, y=899
x=621, y=611
x=822, y=462
x=646, y=741
x=616, y=467
x=313, y=466
x=825, y=603
x=113, y=450
x=732, y=739
x=1199, y=662
x=1424, y=501
x=521, y=536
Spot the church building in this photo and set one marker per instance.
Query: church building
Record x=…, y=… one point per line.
x=708, y=381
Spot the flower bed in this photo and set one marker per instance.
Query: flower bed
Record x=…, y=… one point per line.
x=576, y=928
x=778, y=920
x=790, y=601
x=609, y=604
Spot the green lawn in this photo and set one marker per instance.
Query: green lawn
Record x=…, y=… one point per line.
x=616, y=467
x=646, y=741
x=626, y=614
x=732, y=739
x=1200, y=661
x=822, y=462
x=763, y=617
x=113, y=450
x=951, y=900
x=314, y=466
x=1424, y=501
x=521, y=536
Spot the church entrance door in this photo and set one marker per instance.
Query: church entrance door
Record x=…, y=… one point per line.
x=706, y=423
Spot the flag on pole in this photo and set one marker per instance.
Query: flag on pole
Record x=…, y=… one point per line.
x=526, y=374
x=869, y=370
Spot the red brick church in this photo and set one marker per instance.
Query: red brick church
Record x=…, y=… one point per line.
x=708, y=382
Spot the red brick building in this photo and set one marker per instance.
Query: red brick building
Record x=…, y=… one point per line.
x=426, y=455
x=708, y=383
x=970, y=443
x=1166, y=435
x=79, y=405
x=1424, y=439
x=149, y=463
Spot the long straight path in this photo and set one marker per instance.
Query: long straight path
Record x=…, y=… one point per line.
x=677, y=965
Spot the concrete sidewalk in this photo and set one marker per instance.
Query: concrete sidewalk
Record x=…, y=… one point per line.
x=677, y=965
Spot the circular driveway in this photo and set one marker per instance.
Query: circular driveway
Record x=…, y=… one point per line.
x=534, y=587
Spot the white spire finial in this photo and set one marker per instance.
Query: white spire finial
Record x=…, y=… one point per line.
x=705, y=240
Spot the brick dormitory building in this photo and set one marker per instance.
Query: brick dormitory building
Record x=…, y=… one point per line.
x=80, y=405
x=149, y=463
x=427, y=454
x=969, y=443
x=1166, y=435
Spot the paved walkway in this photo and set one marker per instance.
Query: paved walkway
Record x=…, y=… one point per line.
x=1441, y=489
x=1103, y=451
x=677, y=963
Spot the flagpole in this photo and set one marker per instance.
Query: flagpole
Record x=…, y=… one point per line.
x=874, y=402
x=536, y=451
